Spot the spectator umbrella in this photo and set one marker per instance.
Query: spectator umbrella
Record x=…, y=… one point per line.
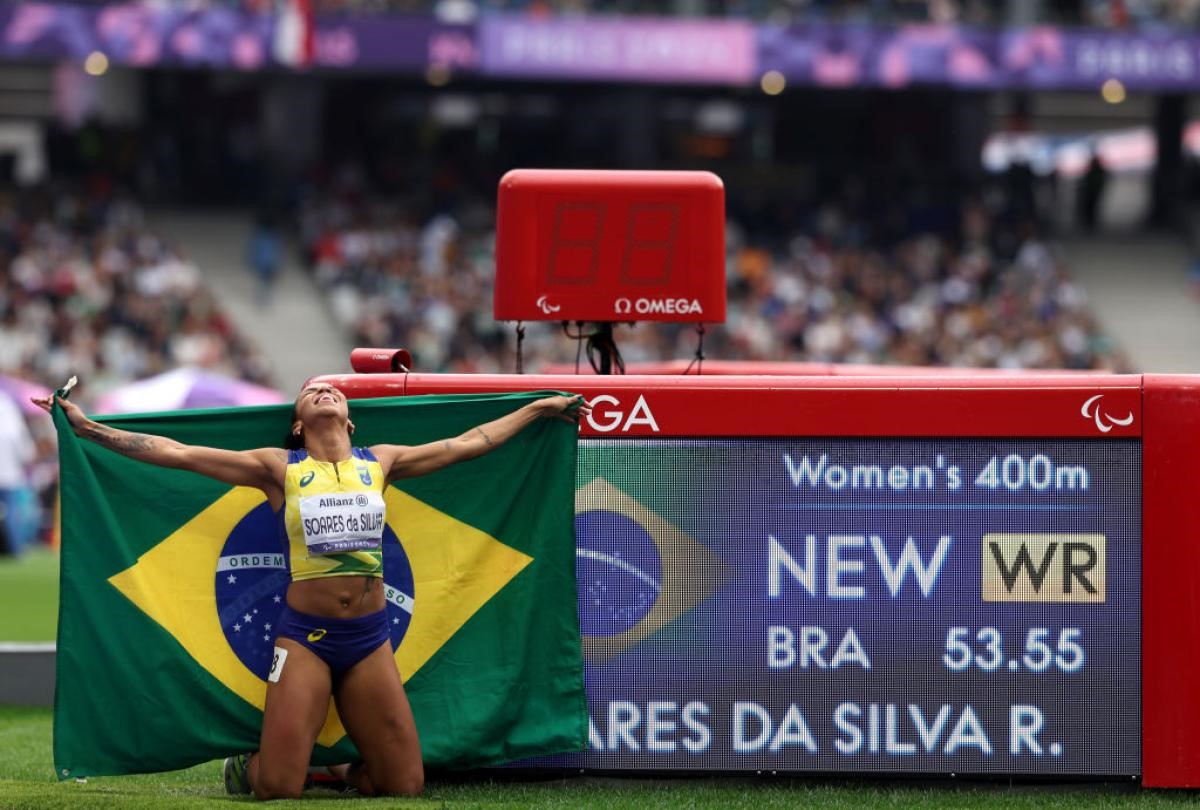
x=21, y=391
x=185, y=388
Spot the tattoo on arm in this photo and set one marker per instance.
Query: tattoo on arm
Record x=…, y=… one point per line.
x=121, y=441
x=447, y=445
x=486, y=438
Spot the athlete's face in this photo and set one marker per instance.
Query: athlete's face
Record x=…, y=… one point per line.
x=320, y=400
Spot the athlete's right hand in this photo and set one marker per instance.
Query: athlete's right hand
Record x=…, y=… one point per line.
x=73, y=412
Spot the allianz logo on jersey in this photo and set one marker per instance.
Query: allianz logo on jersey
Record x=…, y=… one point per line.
x=658, y=306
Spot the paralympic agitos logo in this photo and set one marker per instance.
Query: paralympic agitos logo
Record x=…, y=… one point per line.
x=1104, y=421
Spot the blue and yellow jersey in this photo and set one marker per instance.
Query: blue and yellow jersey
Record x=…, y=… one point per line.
x=333, y=515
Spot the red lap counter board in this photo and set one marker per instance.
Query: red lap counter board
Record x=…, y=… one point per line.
x=610, y=246
x=894, y=574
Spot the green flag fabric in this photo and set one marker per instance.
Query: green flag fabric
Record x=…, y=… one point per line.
x=171, y=583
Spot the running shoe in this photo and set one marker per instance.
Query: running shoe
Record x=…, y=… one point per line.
x=237, y=775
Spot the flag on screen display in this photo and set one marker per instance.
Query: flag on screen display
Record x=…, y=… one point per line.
x=171, y=583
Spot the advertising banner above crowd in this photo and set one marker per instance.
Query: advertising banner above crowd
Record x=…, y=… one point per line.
x=622, y=49
x=136, y=35
x=714, y=52
x=1039, y=57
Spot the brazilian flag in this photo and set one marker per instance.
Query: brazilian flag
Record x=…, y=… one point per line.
x=172, y=582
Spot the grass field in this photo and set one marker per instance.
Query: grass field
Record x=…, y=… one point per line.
x=29, y=596
x=26, y=781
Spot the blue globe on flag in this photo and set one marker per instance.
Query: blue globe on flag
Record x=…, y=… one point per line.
x=619, y=572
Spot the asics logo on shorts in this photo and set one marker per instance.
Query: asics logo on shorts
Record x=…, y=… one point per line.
x=317, y=635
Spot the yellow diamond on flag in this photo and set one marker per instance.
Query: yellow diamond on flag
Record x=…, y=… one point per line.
x=456, y=569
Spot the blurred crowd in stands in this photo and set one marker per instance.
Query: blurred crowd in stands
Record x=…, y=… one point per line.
x=958, y=281
x=89, y=289
x=86, y=288
x=912, y=269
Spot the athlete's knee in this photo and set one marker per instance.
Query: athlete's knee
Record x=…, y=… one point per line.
x=268, y=787
x=408, y=782
x=267, y=794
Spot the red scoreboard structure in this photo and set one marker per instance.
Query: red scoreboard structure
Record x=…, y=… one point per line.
x=920, y=573
x=610, y=246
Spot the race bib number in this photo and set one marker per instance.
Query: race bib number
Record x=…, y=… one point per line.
x=344, y=521
x=277, y=665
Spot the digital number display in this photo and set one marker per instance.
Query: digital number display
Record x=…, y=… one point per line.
x=610, y=246
x=647, y=234
x=905, y=605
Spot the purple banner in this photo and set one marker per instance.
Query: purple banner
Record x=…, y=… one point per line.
x=1037, y=57
x=1051, y=58
x=842, y=56
x=143, y=36
x=394, y=43
x=617, y=49
x=140, y=36
x=638, y=50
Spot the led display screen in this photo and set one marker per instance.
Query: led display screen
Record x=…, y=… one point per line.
x=610, y=246
x=893, y=605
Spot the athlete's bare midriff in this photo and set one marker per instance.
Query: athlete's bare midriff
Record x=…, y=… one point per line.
x=346, y=597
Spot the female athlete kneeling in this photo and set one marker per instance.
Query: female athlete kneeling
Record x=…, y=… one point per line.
x=332, y=637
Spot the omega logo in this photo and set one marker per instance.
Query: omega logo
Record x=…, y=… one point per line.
x=658, y=306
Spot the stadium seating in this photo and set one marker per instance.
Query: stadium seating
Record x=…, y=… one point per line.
x=87, y=288
x=992, y=294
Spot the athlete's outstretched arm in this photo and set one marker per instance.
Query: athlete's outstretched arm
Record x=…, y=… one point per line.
x=252, y=468
x=408, y=462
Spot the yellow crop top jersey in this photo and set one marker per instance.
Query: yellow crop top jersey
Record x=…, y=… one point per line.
x=333, y=515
